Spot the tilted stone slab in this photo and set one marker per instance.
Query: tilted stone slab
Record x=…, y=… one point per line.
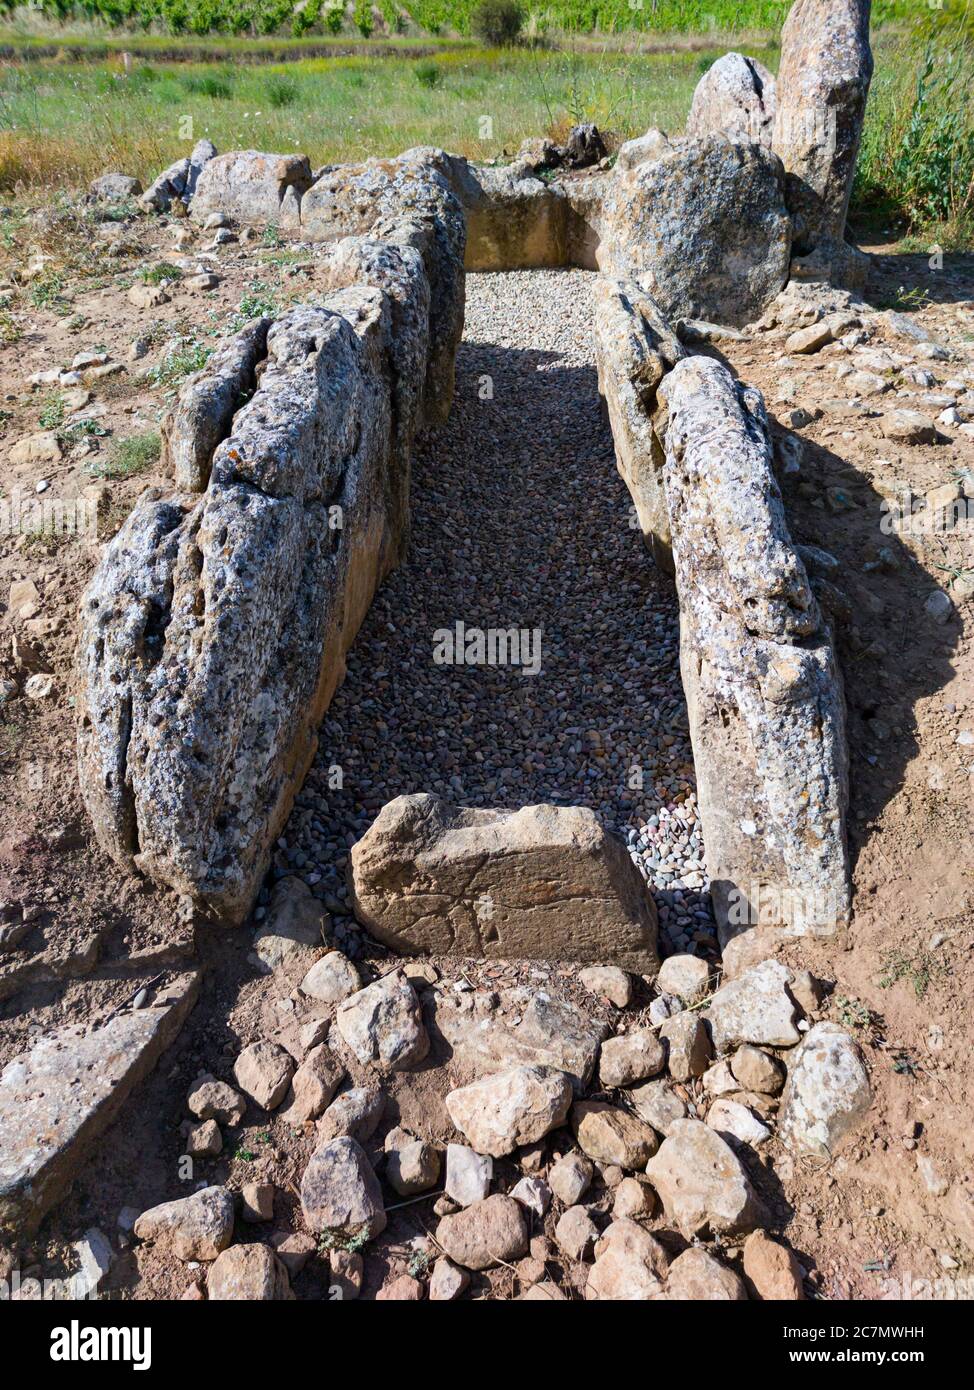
x=206, y=405
x=57, y=1100
x=252, y=187
x=214, y=631
x=823, y=82
x=701, y=224
x=408, y=202
x=763, y=689
x=737, y=96
x=545, y=882
x=634, y=349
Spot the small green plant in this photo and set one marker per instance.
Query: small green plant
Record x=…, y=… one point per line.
x=180, y=361
x=853, y=1013
x=52, y=413
x=281, y=91
x=427, y=74
x=497, y=22
x=258, y=299
x=129, y=457
x=162, y=273
x=920, y=969
x=333, y=1240
x=271, y=236
x=47, y=291
x=9, y=332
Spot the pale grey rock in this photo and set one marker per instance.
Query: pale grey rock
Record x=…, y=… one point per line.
x=468, y=1175
x=115, y=188
x=206, y=404
x=340, y=1192
x=827, y=1092
x=732, y=1120
x=570, y=1178
x=331, y=979
x=688, y=977
x=701, y=1183
x=534, y=1195
x=630, y=1057
x=193, y=1228
x=292, y=933
x=657, y=1104
x=823, y=81
x=736, y=95
x=633, y=1198
x=214, y=631
x=447, y=1281
x=701, y=225
x=167, y=187
x=59, y=1097
x=543, y=881
x=719, y=1080
x=756, y=1007
x=204, y=1140
x=764, y=695
x=263, y=1071
x=252, y=188
x=634, y=349
x=383, y=1024
x=412, y=1167
x=510, y=1108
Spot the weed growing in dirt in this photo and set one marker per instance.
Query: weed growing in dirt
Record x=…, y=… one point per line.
x=163, y=273
x=48, y=292
x=52, y=413
x=853, y=1013
x=919, y=969
x=129, y=456
x=179, y=362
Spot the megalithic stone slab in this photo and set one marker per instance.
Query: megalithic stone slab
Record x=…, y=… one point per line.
x=737, y=96
x=823, y=82
x=57, y=1100
x=543, y=882
x=764, y=693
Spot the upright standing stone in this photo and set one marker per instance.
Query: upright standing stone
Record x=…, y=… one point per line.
x=823, y=82
x=737, y=96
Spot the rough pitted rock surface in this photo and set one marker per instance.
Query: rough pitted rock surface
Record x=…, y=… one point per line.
x=701, y=224
x=634, y=348
x=60, y=1096
x=251, y=187
x=485, y=1233
x=194, y=1228
x=702, y=1184
x=756, y=1007
x=827, y=1092
x=487, y=735
x=823, y=82
x=248, y=1273
x=383, y=1024
x=340, y=1191
x=737, y=96
x=510, y=1108
x=214, y=629
x=767, y=712
x=543, y=881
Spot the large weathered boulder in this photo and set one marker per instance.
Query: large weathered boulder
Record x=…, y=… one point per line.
x=178, y=183
x=407, y=202
x=510, y=1108
x=214, y=631
x=59, y=1097
x=827, y=1092
x=515, y=221
x=340, y=1192
x=251, y=187
x=737, y=96
x=542, y=882
x=634, y=349
x=823, y=82
x=764, y=694
x=701, y=224
x=702, y=1184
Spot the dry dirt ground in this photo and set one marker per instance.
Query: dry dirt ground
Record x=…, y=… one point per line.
x=902, y=978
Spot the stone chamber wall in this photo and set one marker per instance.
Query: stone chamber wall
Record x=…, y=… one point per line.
x=214, y=632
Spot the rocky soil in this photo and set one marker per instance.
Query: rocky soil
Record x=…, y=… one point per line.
x=518, y=519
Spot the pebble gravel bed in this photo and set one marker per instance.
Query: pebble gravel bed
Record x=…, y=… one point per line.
x=519, y=520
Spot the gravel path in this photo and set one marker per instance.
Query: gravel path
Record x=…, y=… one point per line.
x=519, y=520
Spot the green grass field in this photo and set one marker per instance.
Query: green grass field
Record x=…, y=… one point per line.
x=65, y=119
